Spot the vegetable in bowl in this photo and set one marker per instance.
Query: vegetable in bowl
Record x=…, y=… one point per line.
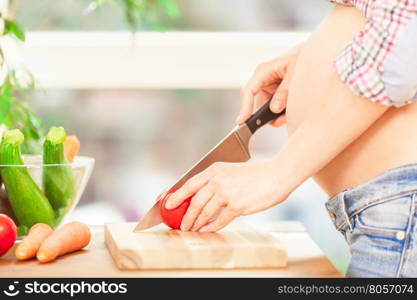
x=41, y=188
x=28, y=202
x=58, y=180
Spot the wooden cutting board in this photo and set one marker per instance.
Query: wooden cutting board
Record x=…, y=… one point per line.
x=236, y=246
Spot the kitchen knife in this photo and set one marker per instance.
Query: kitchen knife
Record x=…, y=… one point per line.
x=233, y=148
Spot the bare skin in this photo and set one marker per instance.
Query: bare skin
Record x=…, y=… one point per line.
x=388, y=143
x=336, y=137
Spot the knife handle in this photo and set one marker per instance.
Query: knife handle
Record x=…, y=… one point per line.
x=261, y=117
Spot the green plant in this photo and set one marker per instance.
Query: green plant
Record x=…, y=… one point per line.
x=15, y=80
x=142, y=12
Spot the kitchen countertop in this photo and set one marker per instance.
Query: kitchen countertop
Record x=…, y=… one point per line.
x=305, y=259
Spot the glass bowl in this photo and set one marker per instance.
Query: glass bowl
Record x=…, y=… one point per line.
x=38, y=193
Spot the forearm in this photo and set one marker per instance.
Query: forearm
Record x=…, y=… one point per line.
x=330, y=127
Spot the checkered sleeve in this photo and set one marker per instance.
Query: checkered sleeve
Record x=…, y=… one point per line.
x=360, y=64
x=343, y=2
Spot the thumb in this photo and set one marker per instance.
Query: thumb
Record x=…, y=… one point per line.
x=279, y=100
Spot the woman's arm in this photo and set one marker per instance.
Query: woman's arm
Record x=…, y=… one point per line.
x=331, y=125
x=230, y=190
x=332, y=120
x=242, y=189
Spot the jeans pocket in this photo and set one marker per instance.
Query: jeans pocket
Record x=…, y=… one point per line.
x=377, y=236
x=384, y=219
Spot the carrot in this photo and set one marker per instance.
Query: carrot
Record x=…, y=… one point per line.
x=71, y=147
x=69, y=238
x=30, y=245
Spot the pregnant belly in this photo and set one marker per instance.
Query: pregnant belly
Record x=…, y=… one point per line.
x=389, y=142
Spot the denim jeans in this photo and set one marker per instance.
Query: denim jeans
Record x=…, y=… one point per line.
x=378, y=220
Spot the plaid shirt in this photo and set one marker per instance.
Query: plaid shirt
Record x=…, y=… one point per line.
x=360, y=64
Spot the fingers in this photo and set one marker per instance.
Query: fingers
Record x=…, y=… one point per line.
x=196, y=206
x=265, y=94
x=187, y=190
x=281, y=120
x=279, y=100
x=271, y=77
x=261, y=98
x=263, y=76
x=271, y=89
x=247, y=106
x=224, y=218
x=161, y=195
x=209, y=211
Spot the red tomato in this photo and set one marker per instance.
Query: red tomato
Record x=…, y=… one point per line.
x=7, y=233
x=173, y=217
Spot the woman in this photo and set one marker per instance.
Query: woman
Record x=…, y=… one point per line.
x=349, y=94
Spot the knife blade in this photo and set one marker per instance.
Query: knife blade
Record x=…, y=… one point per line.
x=233, y=148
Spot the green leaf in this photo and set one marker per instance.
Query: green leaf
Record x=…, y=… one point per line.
x=11, y=27
x=1, y=57
x=23, y=118
x=144, y=13
x=170, y=7
x=5, y=101
x=21, y=79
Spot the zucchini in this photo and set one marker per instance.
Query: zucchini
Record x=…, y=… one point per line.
x=58, y=180
x=27, y=200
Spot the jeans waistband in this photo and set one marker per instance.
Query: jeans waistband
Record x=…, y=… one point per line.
x=393, y=182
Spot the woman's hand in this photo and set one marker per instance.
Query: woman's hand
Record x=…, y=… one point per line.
x=270, y=80
x=225, y=191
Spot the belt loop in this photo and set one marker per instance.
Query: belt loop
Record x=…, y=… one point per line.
x=345, y=211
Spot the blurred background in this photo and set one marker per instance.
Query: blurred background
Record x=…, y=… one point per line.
x=145, y=134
